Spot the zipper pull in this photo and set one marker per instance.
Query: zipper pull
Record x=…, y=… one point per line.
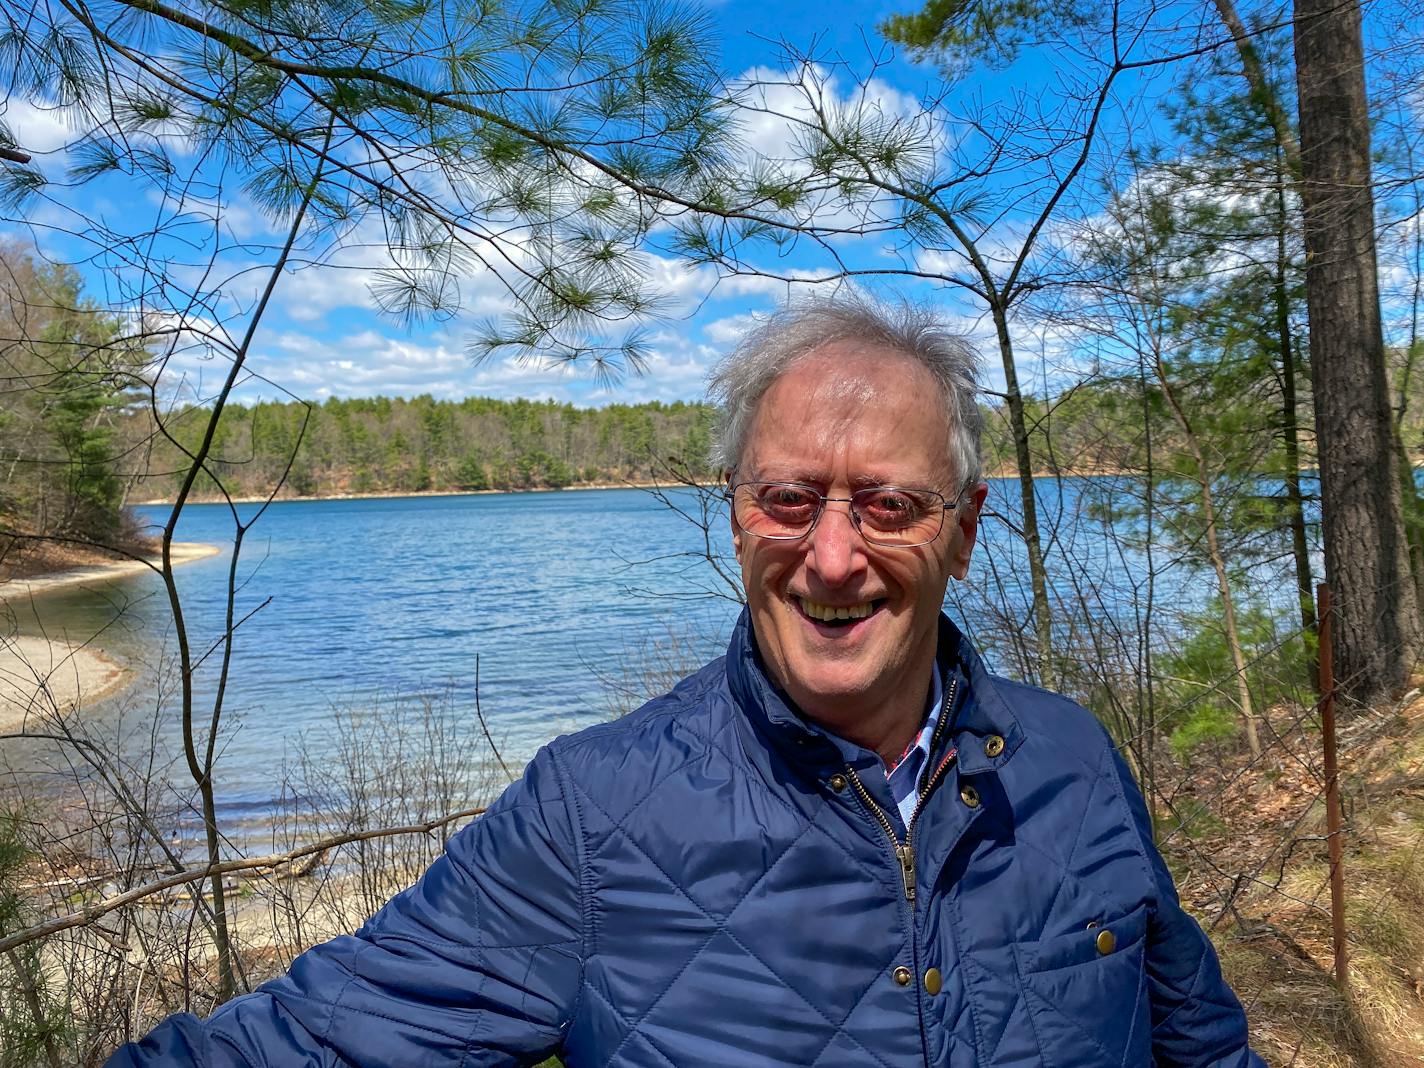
x=906, y=855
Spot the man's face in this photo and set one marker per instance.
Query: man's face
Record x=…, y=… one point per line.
x=847, y=416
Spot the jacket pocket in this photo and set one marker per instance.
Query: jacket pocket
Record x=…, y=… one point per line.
x=1086, y=994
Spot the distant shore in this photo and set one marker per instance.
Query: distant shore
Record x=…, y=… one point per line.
x=377, y=495
x=380, y=495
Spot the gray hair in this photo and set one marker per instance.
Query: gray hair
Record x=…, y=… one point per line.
x=742, y=378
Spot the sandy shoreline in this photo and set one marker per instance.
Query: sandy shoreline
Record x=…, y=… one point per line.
x=42, y=676
x=183, y=552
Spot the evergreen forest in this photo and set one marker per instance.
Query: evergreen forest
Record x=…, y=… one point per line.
x=420, y=444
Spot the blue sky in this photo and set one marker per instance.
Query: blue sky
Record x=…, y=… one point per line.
x=323, y=335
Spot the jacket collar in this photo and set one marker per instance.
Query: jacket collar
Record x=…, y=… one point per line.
x=983, y=712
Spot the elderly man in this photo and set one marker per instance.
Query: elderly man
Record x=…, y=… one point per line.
x=844, y=843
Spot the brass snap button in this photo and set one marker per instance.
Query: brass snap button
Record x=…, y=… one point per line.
x=1107, y=942
x=993, y=746
x=901, y=975
x=837, y=783
x=969, y=796
x=934, y=982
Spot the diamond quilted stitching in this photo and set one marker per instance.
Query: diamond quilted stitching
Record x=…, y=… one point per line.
x=842, y=1051
x=638, y=1052
x=667, y=880
x=868, y=830
x=1138, y=1017
x=886, y=1021
x=640, y=918
x=772, y=811
x=741, y=1013
x=716, y=865
x=832, y=957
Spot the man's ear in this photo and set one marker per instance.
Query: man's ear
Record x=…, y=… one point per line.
x=966, y=520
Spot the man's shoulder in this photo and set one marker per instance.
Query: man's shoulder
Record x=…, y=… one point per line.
x=1054, y=724
x=642, y=747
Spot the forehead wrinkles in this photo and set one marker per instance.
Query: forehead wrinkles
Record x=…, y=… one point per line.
x=827, y=404
x=833, y=400
x=844, y=394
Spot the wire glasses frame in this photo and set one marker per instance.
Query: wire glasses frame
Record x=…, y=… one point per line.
x=883, y=515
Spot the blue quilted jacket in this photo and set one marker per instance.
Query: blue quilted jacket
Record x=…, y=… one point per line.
x=709, y=882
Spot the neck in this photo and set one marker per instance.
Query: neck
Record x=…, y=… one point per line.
x=886, y=727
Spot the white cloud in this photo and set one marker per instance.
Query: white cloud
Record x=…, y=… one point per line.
x=676, y=370
x=39, y=129
x=727, y=331
x=680, y=283
x=369, y=362
x=787, y=285
x=779, y=108
x=313, y=291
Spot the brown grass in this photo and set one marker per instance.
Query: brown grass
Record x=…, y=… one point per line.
x=1254, y=866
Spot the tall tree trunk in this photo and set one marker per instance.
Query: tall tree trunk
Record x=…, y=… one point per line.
x=1376, y=630
x=1033, y=539
x=1412, y=502
x=1290, y=425
x=1262, y=92
x=1146, y=685
x=41, y=1026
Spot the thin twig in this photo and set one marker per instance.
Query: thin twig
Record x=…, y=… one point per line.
x=480, y=715
x=92, y=912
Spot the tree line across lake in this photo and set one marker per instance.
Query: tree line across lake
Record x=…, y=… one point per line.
x=419, y=444
x=82, y=448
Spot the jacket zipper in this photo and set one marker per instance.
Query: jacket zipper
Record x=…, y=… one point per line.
x=905, y=851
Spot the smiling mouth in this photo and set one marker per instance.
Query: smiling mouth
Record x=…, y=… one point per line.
x=838, y=615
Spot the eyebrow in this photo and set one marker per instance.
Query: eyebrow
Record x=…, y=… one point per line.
x=871, y=482
x=859, y=482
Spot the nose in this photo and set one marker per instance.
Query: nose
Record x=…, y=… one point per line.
x=837, y=551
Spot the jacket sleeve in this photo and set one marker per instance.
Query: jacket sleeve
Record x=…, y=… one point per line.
x=478, y=964
x=1197, y=1022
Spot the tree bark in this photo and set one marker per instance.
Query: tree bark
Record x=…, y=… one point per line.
x=1376, y=629
x=1290, y=425
x=1033, y=539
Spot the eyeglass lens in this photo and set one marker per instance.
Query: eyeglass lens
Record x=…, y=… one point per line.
x=884, y=515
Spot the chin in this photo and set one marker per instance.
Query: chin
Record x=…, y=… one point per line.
x=835, y=689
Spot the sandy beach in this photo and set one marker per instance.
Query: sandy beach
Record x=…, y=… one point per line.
x=184, y=552
x=39, y=675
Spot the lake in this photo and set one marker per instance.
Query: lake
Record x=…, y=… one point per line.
x=349, y=603
x=360, y=601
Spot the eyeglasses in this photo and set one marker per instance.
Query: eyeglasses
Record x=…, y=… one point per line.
x=884, y=515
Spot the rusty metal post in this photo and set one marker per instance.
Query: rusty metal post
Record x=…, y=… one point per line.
x=1332, y=788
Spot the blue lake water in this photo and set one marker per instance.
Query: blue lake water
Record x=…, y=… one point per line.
x=345, y=603
x=359, y=601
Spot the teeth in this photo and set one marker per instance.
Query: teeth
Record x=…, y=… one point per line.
x=826, y=613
